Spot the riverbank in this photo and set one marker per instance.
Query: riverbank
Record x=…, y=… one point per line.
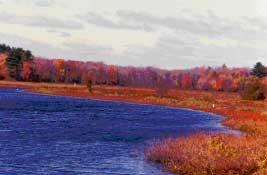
x=218, y=154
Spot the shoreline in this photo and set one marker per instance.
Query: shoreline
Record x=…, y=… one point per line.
x=81, y=91
x=219, y=123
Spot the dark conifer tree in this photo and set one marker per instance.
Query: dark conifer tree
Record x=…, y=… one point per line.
x=259, y=70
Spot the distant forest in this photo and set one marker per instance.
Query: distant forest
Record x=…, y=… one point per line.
x=20, y=65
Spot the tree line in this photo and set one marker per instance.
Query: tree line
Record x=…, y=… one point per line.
x=19, y=64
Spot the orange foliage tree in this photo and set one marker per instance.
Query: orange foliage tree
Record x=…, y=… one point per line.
x=112, y=75
x=3, y=67
x=59, y=70
x=26, y=70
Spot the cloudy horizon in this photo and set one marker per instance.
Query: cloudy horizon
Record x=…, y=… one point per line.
x=175, y=35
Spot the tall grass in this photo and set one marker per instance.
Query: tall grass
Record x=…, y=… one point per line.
x=219, y=154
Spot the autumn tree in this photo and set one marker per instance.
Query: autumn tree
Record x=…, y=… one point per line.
x=44, y=70
x=59, y=75
x=186, y=81
x=152, y=77
x=112, y=72
x=27, y=71
x=73, y=72
x=164, y=85
x=3, y=67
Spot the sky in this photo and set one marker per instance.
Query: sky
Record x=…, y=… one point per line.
x=170, y=34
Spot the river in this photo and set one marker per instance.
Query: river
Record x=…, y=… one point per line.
x=56, y=135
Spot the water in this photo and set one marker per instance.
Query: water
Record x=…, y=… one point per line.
x=55, y=135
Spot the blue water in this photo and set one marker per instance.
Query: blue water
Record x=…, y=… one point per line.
x=55, y=135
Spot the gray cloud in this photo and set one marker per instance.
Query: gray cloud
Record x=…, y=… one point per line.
x=44, y=3
x=259, y=22
x=135, y=20
x=169, y=52
x=182, y=46
x=86, y=51
x=175, y=53
x=60, y=33
x=69, y=50
x=38, y=3
x=40, y=21
x=208, y=25
x=186, y=48
x=38, y=48
x=100, y=20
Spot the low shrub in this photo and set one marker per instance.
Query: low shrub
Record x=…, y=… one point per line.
x=253, y=91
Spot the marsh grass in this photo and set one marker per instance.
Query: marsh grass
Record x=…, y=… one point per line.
x=204, y=154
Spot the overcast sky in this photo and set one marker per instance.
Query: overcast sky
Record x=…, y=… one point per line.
x=171, y=34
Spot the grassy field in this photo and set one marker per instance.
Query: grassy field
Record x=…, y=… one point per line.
x=198, y=154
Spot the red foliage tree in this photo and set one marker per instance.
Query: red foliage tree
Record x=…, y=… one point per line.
x=26, y=70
